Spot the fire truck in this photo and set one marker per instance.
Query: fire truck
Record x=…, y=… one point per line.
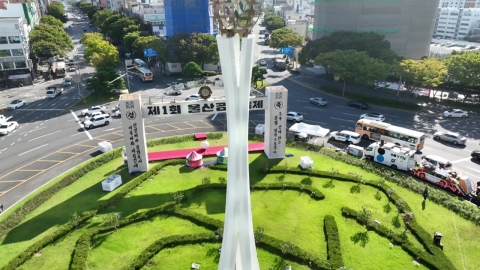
x=446, y=179
x=391, y=155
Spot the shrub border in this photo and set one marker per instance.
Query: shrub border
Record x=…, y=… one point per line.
x=334, y=250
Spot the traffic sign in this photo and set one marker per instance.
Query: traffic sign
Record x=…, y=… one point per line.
x=287, y=50
x=149, y=52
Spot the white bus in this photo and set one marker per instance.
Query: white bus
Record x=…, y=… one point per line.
x=144, y=74
x=376, y=131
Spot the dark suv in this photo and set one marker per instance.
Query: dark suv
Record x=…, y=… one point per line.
x=476, y=154
x=358, y=104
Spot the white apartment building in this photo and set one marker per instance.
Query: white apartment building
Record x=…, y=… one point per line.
x=15, y=67
x=28, y=10
x=455, y=23
x=459, y=3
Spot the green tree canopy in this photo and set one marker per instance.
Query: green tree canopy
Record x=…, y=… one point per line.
x=52, y=21
x=57, y=10
x=48, y=41
x=429, y=72
x=100, y=53
x=88, y=9
x=100, y=84
x=178, y=46
x=109, y=21
x=354, y=65
x=116, y=31
x=204, y=49
x=129, y=39
x=142, y=43
x=274, y=22
x=465, y=68
x=373, y=44
x=192, y=70
x=101, y=16
x=258, y=74
x=285, y=37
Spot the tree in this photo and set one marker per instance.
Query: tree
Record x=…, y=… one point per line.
x=178, y=46
x=355, y=65
x=57, y=10
x=100, y=53
x=192, y=70
x=101, y=16
x=285, y=37
x=48, y=41
x=429, y=72
x=373, y=44
x=112, y=220
x=464, y=68
x=129, y=39
x=116, y=31
x=274, y=23
x=204, y=49
x=142, y=43
x=257, y=74
x=109, y=21
x=100, y=84
x=88, y=9
x=163, y=54
x=52, y=21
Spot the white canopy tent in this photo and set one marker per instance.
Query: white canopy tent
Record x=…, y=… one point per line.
x=312, y=130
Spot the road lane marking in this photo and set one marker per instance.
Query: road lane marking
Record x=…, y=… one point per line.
x=215, y=116
x=32, y=130
x=80, y=124
x=474, y=169
x=460, y=160
x=32, y=150
x=45, y=135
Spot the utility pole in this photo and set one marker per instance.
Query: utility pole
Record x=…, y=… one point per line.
x=126, y=75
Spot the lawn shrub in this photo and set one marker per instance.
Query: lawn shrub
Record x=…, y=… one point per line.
x=17, y=216
x=334, y=251
x=183, y=138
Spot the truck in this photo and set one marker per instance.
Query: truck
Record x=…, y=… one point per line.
x=280, y=64
x=392, y=155
x=53, y=92
x=58, y=68
x=4, y=119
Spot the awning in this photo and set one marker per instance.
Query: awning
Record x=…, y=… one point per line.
x=312, y=130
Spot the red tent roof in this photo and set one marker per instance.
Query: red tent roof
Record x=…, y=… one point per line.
x=193, y=156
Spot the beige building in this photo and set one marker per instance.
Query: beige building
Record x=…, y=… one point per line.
x=408, y=24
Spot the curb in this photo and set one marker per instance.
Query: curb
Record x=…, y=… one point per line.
x=89, y=105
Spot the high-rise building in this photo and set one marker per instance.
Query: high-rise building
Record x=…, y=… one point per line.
x=187, y=16
x=28, y=10
x=408, y=24
x=455, y=23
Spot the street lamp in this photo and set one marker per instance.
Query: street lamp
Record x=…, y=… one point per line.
x=125, y=75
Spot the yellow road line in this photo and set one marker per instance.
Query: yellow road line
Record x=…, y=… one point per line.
x=48, y=160
x=30, y=170
x=11, y=181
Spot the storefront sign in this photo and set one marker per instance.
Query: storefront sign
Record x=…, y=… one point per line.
x=134, y=133
x=197, y=107
x=276, y=121
x=21, y=76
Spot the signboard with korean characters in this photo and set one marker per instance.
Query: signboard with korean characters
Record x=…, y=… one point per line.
x=134, y=132
x=276, y=121
x=196, y=107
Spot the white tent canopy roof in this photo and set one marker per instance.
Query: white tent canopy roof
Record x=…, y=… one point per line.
x=312, y=130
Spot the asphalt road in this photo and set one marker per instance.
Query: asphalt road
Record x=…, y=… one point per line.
x=50, y=141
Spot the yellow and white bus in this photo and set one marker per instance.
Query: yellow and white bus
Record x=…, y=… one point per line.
x=376, y=131
x=144, y=74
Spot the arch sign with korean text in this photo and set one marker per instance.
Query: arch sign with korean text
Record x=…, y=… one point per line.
x=274, y=103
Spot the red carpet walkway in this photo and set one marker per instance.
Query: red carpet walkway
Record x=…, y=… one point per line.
x=211, y=151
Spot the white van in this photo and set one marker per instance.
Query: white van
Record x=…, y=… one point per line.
x=346, y=136
x=444, y=163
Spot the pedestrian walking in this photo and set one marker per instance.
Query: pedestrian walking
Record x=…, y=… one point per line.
x=1, y=208
x=425, y=194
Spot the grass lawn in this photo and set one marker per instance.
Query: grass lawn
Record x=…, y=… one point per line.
x=288, y=215
x=93, y=99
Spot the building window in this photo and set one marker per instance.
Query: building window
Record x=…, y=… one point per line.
x=14, y=39
x=7, y=65
x=16, y=26
x=3, y=40
x=5, y=53
x=17, y=52
x=20, y=65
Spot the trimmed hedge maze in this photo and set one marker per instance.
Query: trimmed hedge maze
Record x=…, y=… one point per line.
x=430, y=256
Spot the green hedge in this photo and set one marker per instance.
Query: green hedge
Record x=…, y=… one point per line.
x=182, y=138
x=334, y=250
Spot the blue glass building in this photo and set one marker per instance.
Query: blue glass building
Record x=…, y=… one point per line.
x=186, y=16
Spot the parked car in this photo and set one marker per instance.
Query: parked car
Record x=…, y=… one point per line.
x=263, y=62
x=99, y=120
x=318, y=101
x=193, y=97
x=346, y=136
x=373, y=116
x=294, y=116
x=8, y=127
x=92, y=109
x=452, y=137
x=476, y=154
x=16, y=104
x=67, y=82
x=455, y=113
x=358, y=104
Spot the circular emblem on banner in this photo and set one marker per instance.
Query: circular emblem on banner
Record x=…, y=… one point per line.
x=278, y=105
x=131, y=115
x=205, y=92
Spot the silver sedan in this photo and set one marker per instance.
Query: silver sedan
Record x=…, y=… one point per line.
x=451, y=137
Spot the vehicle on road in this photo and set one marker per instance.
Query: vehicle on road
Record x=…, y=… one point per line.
x=391, y=155
x=93, y=109
x=455, y=113
x=294, y=116
x=439, y=162
x=346, y=136
x=8, y=127
x=67, y=82
x=279, y=64
x=143, y=74
x=263, y=62
x=58, y=68
x=117, y=113
x=91, y=116
x=377, y=131
x=53, y=92
x=373, y=116
x=476, y=154
x=4, y=119
x=193, y=97
x=16, y=104
x=358, y=104
x=99, y=120
x=318, y=101
x=72, y=68
x=451, y=137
